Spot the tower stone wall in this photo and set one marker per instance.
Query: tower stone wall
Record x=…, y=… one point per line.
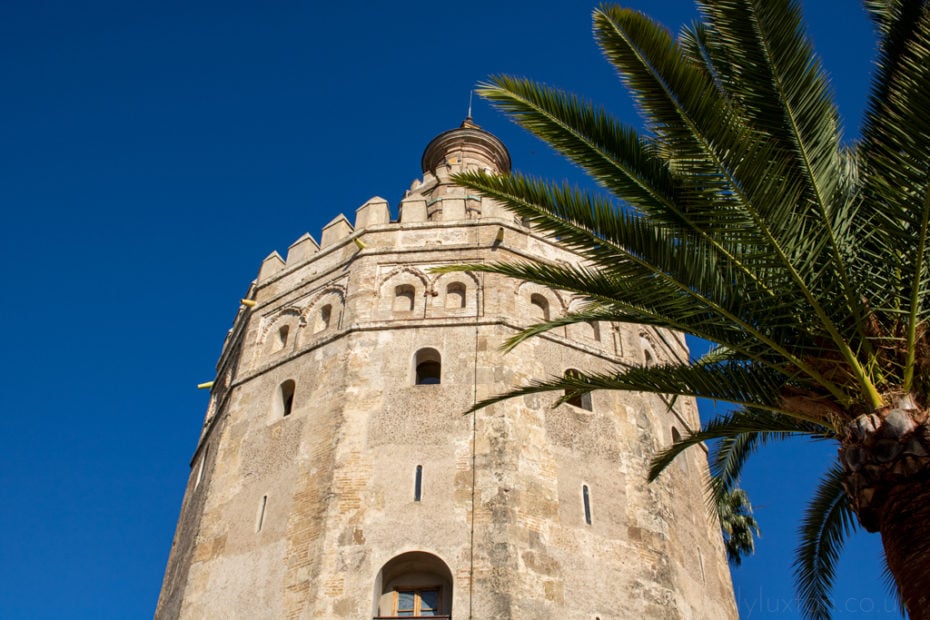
x=337, y=476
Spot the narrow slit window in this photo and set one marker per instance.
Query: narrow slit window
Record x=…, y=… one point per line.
x=587, y=503
x=282, y=337
x=260, y=521
x=428, y=370
x=286, y=397
x=418, y=484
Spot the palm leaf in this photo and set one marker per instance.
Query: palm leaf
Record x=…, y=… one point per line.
x=828, y=521
x=768, y=424
x=735, y=383
x=895, y=162
x=784, y=94
x=652, y=269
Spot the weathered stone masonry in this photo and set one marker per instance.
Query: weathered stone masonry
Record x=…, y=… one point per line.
x=302, y=499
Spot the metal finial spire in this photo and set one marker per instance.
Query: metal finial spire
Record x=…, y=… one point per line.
x=471, y=94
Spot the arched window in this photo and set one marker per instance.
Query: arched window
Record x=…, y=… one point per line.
x=428, y=367
x=578, y=400
x=281, y=342
x=540, y=307
x=284, y=402
x=323, y=318
x=403, y=298
x=455, y=295
x=278, y=336
x=414, y=585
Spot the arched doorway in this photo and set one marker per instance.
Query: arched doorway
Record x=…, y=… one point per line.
x=413, y=585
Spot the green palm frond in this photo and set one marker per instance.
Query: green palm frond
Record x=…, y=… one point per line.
x=784, y=94
x=591, y=313
x=653, y=271
x=760, y=219
x=728, y=457
x=718, y=353
x=731, y=425
x=827, y=523
x=613, y=154
x=680, y=96
x=737, y=383
x=895, y=163
x=739, y=216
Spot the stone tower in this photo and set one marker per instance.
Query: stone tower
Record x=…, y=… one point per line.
x=337, y=477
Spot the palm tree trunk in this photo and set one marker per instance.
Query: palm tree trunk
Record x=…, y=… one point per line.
x=886, y=455
x=904, y=528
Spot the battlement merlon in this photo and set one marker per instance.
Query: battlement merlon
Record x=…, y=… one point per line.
x=302, y=249
x=373, y=213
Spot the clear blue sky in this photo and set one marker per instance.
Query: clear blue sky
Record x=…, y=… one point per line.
x=152, y=153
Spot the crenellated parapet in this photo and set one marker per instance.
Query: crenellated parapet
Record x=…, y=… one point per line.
x=434, y=199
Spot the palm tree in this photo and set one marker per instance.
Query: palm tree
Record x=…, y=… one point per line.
x=740, y=216
x=735, y=513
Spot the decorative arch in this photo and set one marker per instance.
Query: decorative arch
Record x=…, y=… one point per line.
x=405, y=270
x=280, y=331
x=456, y=293
x=316, y=319
x=534, y=303
x=402, y=292
x=413, y=584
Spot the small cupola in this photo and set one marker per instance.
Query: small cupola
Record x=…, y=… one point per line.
x=467, y=147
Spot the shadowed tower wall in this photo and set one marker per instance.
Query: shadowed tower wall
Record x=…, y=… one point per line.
x=337, y=477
